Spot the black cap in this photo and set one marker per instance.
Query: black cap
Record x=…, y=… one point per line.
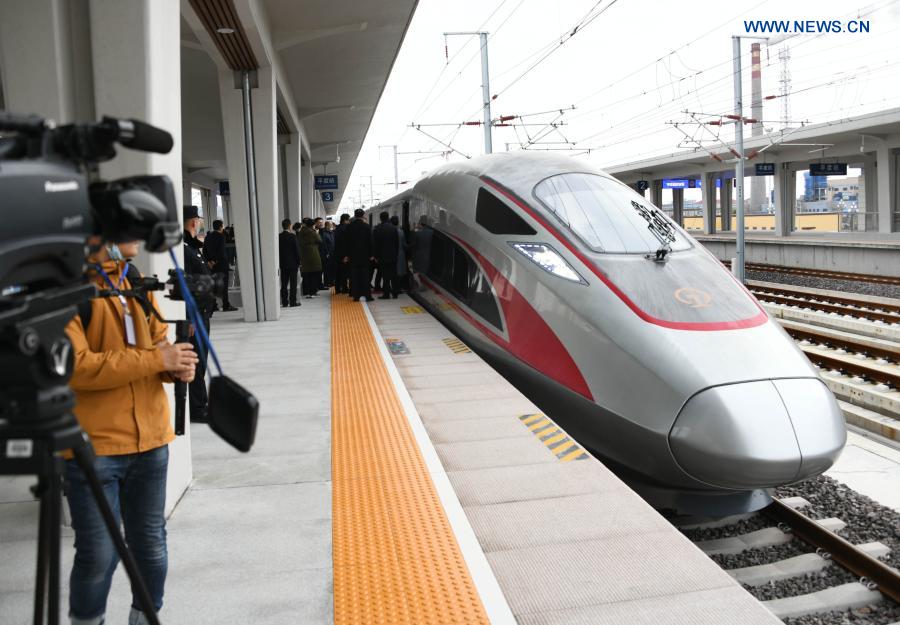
x=359, y=212
x=189, y=212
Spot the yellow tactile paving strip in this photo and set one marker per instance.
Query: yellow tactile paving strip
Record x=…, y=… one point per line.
x=396, y=559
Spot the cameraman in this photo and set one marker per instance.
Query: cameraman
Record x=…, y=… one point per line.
x=122, y=359
x=195, y=264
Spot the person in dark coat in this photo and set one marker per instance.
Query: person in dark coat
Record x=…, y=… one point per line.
x=310, y=260
x=402, y=265
x=329, y=263
x=342, y=275
x=195, y=264
x=288, y=264
x=359, y=255
x=386, y=241
x=216, y=258
x=421, y=245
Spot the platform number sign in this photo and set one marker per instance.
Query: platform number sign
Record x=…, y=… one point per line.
x=642, y=185
x=328, y=196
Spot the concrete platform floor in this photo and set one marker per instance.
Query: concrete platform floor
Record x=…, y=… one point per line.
x=250, y=541
x=870, y=467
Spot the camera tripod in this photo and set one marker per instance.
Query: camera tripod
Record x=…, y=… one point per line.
x=36, y=423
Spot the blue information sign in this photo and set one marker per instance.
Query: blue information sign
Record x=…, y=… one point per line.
x=686, y=183
x=328, y=196
x=828, y=169
x=765, y=169
x=326, y=182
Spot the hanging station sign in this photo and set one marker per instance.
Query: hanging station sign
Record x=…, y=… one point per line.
x=828, y=169
x=326, y=182
x=765, y=169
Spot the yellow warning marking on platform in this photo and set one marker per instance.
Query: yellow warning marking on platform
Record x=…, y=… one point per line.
x=553, y=438
x=457, y=346
x=396, y=559
x=411, y=310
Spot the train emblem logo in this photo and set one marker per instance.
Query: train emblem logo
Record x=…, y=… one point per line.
x=695, y=298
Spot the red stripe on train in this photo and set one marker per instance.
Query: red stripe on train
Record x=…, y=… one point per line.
x=530, y=338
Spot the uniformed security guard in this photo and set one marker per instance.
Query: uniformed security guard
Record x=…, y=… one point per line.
x=194, y=263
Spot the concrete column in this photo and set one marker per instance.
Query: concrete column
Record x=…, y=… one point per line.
x=709, y=203
x=656, y=193
x=726, y=191
x=306, y=188
x=135, y=44
x=785, y=190
x=293, y=177
x=885, y=187
x=45, y=58
x=266, y=148
x=678, y=206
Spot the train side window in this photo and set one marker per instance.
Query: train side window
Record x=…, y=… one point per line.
x=481, y=297
x=492, y=214
x=459, y=278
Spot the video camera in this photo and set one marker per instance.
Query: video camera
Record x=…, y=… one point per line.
x=55, y=210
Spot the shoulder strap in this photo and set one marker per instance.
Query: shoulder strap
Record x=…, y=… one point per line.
x=133, y=274
x=84, y=311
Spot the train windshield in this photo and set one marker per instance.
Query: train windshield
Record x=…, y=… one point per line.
x=605, y=214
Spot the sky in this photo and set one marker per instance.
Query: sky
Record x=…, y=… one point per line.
x=632, y=70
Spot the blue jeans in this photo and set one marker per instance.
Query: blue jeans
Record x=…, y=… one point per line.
x=135, y=487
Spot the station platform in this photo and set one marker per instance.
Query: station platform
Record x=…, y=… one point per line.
x=396, y=478
x=870, y=253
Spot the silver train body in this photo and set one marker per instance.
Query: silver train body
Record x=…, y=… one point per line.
x=668, y=370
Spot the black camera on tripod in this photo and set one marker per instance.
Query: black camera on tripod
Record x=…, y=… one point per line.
x=55, y=210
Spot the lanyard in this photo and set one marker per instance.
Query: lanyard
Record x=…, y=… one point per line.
x=130, y=337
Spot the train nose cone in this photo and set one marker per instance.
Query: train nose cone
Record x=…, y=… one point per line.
x=759, y=434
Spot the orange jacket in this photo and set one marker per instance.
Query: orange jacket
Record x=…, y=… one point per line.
x=118, y=388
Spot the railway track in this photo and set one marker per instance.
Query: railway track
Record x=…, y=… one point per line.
x=821, y=273
x=864, y=581
x=844, y=305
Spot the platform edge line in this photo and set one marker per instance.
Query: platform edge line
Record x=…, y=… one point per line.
x=492, y=598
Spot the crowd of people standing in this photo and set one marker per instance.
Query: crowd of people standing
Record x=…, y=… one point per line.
x=347, y=257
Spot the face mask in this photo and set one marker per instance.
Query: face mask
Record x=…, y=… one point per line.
x=114, y=252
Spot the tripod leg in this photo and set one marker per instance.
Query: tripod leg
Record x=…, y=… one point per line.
x=40, y=586
x=54, y=494
x=83, y=457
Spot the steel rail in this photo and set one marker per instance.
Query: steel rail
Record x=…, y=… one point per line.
x=861, y=370
x=833, y=299
x=835, y=308
x=845, y=343
x=822, y=273
x=842, y=551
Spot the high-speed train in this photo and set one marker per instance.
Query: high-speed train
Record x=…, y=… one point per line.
x=621, y=327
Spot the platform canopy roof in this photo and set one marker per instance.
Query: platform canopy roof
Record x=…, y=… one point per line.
x=846, y=139
x=332, y=61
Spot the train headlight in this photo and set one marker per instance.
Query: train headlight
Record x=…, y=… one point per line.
x=548, y=259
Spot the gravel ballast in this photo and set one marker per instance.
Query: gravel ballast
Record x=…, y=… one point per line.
x=867, y=521
x=813, y=282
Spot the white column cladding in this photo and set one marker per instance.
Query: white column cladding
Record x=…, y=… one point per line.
x=45, y=59
x=294, y=177
x=708, y=199
x=727, y=190
x=785, y=184
x=266, y=149
x=307, y=190
x=886, y=186
x=136, y=48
